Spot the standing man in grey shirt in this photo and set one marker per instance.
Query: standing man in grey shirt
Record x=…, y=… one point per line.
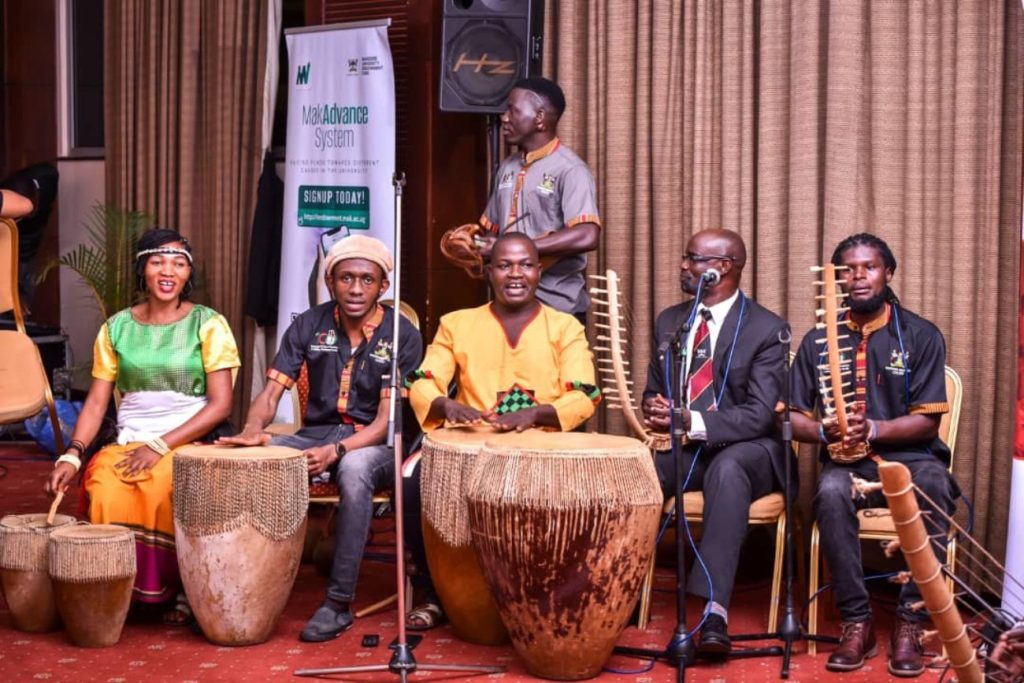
x=547, y=192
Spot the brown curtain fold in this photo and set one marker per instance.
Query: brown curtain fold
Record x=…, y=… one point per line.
x=183, y=114
x=797, y=124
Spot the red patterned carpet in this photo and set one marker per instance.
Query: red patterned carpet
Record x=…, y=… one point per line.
x=151, y=651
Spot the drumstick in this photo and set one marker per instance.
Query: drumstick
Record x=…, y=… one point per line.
x=376, y=607
x=53, y=507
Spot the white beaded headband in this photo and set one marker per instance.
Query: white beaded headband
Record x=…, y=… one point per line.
x=170, y=251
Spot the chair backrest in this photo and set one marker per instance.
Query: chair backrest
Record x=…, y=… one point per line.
x=9, y=270
x=951, y=420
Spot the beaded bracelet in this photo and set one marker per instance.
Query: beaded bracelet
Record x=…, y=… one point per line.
x=158, y=445
x=72, y=460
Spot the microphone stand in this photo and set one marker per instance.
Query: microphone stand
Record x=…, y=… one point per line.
x=790, y=630
x=680, y=651
x=402, y=661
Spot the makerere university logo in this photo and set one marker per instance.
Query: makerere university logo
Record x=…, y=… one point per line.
x=302, y=76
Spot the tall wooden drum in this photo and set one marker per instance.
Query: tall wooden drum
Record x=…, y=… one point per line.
x=24, y=570
x=93, y=570
x=239, y=525
x=564, y=525
x=448, y=458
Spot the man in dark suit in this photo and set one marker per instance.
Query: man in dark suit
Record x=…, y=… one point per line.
x=733, y=372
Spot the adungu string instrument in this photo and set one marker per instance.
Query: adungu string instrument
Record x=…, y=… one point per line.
x=991, y=643
x=926, y=570
x=840, y=393
x=613, y=367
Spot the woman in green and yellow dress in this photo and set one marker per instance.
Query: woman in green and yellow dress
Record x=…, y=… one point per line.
x=172, y=362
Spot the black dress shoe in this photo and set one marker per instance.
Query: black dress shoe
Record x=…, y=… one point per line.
x=327, y=623
x=714, y=638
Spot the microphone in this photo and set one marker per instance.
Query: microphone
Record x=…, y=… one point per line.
x=711, y=276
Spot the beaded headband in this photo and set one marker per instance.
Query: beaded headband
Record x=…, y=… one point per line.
x=169, y=251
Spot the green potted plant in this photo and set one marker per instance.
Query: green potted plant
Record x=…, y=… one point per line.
x=106, y=260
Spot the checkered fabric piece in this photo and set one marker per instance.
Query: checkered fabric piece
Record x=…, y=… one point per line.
x=515, y=399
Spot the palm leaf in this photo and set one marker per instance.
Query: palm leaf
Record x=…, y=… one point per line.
x=106, y=260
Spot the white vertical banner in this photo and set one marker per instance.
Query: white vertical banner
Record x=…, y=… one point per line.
x=1013, y=583
x=340, y=153
x=1013, y=593
x=339, y=156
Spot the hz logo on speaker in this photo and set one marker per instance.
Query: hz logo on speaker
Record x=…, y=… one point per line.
x=498, y=67
x=302, y=75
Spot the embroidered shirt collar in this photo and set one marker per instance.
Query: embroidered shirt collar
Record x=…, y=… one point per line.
x=370, y=325
x=530, y=157
x=873, y=325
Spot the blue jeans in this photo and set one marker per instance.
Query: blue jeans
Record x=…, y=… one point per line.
x=358, y=474
x=835, y=510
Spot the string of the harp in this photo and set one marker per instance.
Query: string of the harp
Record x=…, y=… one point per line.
x=975, y=564
x=603, y=323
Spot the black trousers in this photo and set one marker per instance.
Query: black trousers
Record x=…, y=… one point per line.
x=835, y=510
x=731, y=478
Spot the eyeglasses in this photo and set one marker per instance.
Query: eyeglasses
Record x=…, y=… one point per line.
x=705, y=258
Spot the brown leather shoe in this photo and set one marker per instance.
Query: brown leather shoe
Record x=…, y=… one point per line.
x=906, y=649
x=855, y=645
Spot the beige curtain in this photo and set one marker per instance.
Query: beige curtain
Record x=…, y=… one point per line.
x=183, y=113
x=797, y=124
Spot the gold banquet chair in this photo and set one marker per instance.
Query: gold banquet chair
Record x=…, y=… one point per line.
x=770, y=509
x=24, y=386
x=876, y=523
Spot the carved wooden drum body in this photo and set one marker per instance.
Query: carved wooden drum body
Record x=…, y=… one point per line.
x=448, y=458
x=24, y=570
x=564, y=525
x=239, y=525
x=93, y=570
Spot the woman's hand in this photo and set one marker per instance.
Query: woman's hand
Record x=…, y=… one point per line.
x=60, y=478
x=142, y=459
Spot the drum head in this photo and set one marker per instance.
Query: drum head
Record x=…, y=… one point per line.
x=535, y=440
x=469, y=435
x=239, y=452
x=33, y=521
x=92, y=532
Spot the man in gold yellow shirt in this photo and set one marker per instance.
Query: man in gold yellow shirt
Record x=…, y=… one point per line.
x=518, y=364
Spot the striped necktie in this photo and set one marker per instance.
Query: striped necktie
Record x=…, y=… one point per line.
x=701, y=375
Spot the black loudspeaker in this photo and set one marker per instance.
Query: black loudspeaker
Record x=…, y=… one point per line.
x=486, y=46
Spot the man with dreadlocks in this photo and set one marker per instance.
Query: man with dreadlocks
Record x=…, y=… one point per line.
x=898, y=362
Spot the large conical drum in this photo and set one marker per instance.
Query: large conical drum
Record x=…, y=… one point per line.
x=239, y=525
x=449, y=456
x=564, y=525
